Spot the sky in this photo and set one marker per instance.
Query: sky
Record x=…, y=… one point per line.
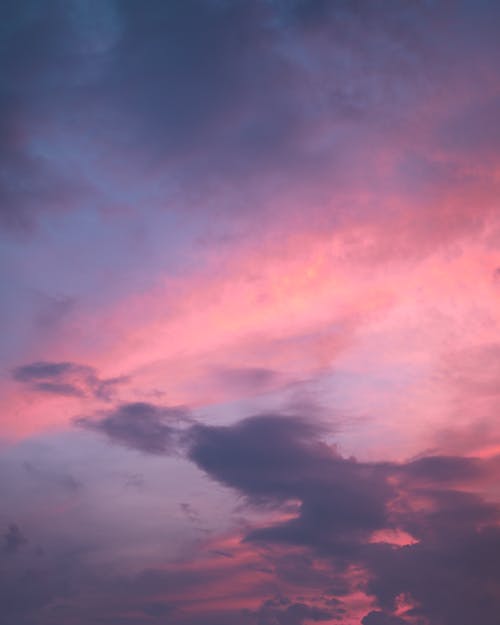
x=250, y=312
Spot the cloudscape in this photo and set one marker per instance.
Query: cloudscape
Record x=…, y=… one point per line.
x=250, y=312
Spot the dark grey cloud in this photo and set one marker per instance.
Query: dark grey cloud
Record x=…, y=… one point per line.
x=218, y=88
x=449, y=570
x=436, y=469
x=66, y=378
x=158, y=79
x=452, y=578
x=342, y=502
x=142, y=426
x=210, y=91
x=338, y=505
x=278, y=457
x=37, y=370
x=280, y=443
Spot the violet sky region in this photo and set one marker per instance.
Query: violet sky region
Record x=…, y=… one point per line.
x=250, y=312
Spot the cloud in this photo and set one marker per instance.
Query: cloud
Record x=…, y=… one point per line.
x=444, y=469
x=142, y=426
x=384, y=116
x=337, y=509
x=280, y=443
x=210, y=92
x=321, y=543
x=282, y=458
x=67, y=379
x=343, y=502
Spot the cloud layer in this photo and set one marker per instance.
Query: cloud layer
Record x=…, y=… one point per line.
x=287, y=209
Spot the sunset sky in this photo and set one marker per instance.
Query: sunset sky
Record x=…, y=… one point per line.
x=250, y=312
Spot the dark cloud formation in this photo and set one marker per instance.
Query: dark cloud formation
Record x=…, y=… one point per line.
x=448, y=564
x=210, y=91
x=275, y=457
x=66, y=378
x=343, y=502
x=166, y=75
x=140, y=425
x=436, y=469
x=447, y=569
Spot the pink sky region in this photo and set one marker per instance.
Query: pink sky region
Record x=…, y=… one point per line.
x=250, y=311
